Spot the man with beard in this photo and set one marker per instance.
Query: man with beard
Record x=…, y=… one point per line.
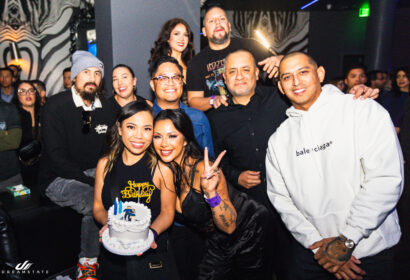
x=74, y=126
x=205, y=83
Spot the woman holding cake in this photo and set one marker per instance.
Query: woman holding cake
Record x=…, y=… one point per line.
x=130, y=172
x=234, y=223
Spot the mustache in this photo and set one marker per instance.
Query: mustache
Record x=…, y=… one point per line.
x=90, y=84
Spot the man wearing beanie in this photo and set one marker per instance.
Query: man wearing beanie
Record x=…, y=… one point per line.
x=74, y=127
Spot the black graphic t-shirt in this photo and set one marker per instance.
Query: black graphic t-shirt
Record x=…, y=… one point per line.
x=205, y=69
x=132, y=183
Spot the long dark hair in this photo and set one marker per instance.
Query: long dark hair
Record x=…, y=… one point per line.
x=395, y=87
x=161, y=47
x=115, y=146
x=37, y=103
x=183, y=124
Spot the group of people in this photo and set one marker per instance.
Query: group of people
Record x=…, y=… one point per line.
x=246, y=173
x=394, y=88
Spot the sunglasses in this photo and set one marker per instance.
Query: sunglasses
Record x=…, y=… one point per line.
x=86, y=122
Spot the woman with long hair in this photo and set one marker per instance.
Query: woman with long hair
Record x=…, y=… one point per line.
x=28, y=104
x=124, y=84
x=177, y=40
x=394, y=100
x=128, y=167
x=234, y=224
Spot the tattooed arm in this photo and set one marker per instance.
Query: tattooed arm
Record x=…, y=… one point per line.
x=224, y=214
x=213, y=183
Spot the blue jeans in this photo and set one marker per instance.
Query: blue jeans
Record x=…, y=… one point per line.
x=79, y=196
x=305, y=267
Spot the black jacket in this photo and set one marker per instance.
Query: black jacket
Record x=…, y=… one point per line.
x=244, y=131
x=67, y=150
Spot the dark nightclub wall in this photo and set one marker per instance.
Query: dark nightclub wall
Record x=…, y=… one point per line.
x=335, y=34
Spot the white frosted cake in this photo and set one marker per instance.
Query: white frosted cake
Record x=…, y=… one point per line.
x=128, y=231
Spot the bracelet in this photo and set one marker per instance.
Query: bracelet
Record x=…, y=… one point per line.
x=154, y=232
x=213, y=201
x=212, y=100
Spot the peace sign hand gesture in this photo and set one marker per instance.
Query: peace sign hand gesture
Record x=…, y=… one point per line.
x=211, y=175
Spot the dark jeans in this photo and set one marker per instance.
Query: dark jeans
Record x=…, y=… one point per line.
x=304, y=266
x=80, y=197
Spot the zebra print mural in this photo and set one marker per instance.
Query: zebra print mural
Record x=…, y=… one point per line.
x=285, y=31
x=42, y=32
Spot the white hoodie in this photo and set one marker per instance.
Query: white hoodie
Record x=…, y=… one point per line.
x=337, y=169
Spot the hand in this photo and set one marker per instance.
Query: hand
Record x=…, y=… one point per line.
x=100, y=233
x=350, y=270
x=153, y=246
x=210, y=176
x=249, y=179
x=220, y=100
x=364, y=92
x=332, y=253
x=271, y=65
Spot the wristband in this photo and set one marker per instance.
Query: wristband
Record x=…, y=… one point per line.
x=212, y=100
x=154, y=232
x=213, y=201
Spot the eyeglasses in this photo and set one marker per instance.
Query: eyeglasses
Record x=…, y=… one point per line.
x=86, y=122
x=22, y=91
x=163, y=79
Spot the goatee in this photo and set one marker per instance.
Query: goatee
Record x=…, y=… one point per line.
x=220, y=41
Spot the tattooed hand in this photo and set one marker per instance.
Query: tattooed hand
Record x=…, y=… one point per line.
x=332, y=253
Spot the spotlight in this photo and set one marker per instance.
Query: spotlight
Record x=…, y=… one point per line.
x=265, y=42
x=15, y=53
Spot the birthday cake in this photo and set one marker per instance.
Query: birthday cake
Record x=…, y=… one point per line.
x=128, y=228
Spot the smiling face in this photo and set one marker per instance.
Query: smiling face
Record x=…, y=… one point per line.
x=241, y=74
x=123, y=82
x=136, y=133
x=167, y=92
x=178, y=39
x=216, y=26
x=168, y=142
x=300, y=80
x=26, y=95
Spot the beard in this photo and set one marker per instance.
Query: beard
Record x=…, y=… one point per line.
x=220, y=41
x=88, y=95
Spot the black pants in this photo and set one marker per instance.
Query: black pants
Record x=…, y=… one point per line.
x=188, y=246
x=305, y=267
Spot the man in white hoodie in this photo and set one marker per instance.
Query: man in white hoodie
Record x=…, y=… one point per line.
x=334, y=173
